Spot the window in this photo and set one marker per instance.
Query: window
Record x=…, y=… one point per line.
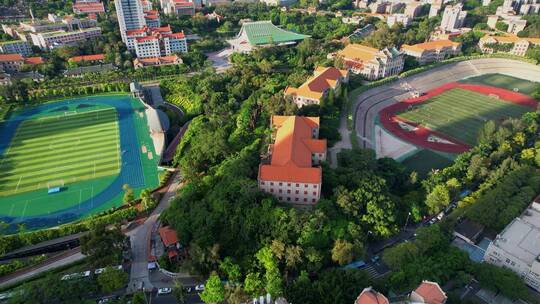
x=313, y=200
x=280, y=191
x=296, y=199
x=315, y=186
x=272, y=190
x=314, y=193
x=297, y=191
x=262, y=183
x=305, y=185
x=305, y=192
x=288, y=199
x=289, y=184
x=280, y=198
x=288, y=191
x=271, y=183
x=297, y=185
x=281, y=184
x=305, y=200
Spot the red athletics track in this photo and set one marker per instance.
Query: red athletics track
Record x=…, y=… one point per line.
x=420, y=135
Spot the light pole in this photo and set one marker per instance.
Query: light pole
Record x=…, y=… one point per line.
x=407, y=221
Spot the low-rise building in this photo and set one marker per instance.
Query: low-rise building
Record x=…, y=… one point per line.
x=50, y=40
x=398, y=18
x=178, y=7
x=156, y=61
x=262, y=34
x=170, y=242
x=469, y=231
x=318, y=87
x=88, y=7
x=510, y=44
x=352, y=20
x=370, y=62
x=429, y=293
x=517, y=247
x=13, y=62
x=156, y=42
x=293, y=173
x=96, y=58
x=371, y=296
x=16, y=47
x=432, y=51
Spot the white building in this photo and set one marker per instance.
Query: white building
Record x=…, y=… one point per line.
x=370, y=62
x=179, y=7
x=50, y=40
x=130, y=16
x=15, y=47
x=453, y=18
x=517, y=247
x=413, y=9
x=156, y=42
x=435, y=8
x=398, y=18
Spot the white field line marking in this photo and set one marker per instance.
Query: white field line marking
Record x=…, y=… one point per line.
x=18, y=183
x=24, y=210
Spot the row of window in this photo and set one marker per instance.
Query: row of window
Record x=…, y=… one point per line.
x=289, y=191
x=296, y=199
x=289, y=184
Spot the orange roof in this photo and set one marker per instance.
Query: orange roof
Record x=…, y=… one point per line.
x=11, y=57
x=149, y=30
x=34, y=60
x=292, y=149
x=431, y=45
x=315, y=87
x=371, y=296
x=168, y=236
x=511, y=39
x=358, y=52
x=431, y=292
x=87, y=58
x=85, y=7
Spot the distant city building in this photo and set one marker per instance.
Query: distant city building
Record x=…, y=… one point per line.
x=398, y=18
x=156, y=61
x=178, y=7
x=16, y=47
x=363, y=32
x=50, y=40
x=88, y=7
x=435, y=8
x=156, y=42
x=413, y=9
x=432, y=51
x=371, y=296
x=130, y=16
x=370, y=62
x=279, y=2
x=261, y=34
x=378, y=7
x=510, y=44
x=517, y=247
x=453, y=17
x=293, y=173
x=216, y=2
x=152, y=18
x=214, y=16
x=13, y=62
x=515, y=23
x=352, y=20
x=146, y=5
x=318, y=86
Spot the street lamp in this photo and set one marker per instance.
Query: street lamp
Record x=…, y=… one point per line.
x=407, y=221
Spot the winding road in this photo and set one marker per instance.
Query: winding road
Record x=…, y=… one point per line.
x=370, y=103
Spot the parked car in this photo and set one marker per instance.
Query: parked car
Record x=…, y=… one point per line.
x=199, y=287
x=164, y=291
x=375, y=259
x=99, y=271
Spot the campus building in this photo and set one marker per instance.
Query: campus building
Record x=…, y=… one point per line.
x=261, y=34
x=507, y=44
x=130, y=16
x=432, y=51
x=156, y=61
x=50, y=40
x=151, y=18
x=517, y=247
x=15, y=47
x=10, y=63
x=155, y=42
x=371, y=296
x=515, y=23
x=453, y=17
x=398, y=18
x=370, y=62
x=96, y=58
x=318, y=86
x=426, y=293
x=178, y=7
x=88, y=7
x=292, y=171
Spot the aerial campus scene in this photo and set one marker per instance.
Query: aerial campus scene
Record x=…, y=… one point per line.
x=270, y=151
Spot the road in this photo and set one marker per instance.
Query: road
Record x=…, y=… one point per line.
x=370, y=103
x=140, y=240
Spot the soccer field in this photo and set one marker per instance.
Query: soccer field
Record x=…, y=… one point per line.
x=61, y=149
x=461, y=113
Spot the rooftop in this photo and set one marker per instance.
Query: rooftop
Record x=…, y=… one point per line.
x=431, y=292
x=315, y=86
x=168, y=236
x=431, y=45
x=362, y=53
x=11, y=57
x=511, y=39
x=292, y=149
x=264, y=32
x=87, y=58
x=371, y=296
x=521, y=238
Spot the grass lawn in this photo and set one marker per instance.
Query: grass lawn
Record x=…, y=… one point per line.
x=58, y=149
x=505, y=82
x=461, y=113
x=426, y=160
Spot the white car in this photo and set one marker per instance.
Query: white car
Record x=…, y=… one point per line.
x=164, y=291
x=199, y=287
x=99, y=271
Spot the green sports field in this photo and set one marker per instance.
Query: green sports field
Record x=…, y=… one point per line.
x=65, y=148
x=505, y=82
x=461, y=113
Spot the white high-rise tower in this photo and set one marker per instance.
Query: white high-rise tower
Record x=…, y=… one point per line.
x=130, y=16
x=453, y=17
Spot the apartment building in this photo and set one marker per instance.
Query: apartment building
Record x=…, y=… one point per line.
x=13, y=62
x=88, y=7
x=515, y=23
x=510, y=44
x=15, y=47
x=130, y=16
x=432, y=51
x=434, y=8
x=50, y=40
x=403, y=19
x=318, y=87
x=413, y=9
x=453, y=17
x=156, y=42
x=292, y=173
x=179, y=7
x=517, y=247
x=152, y=18
x=370, y=62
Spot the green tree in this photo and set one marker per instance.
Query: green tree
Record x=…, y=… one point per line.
x=179, y=293
x=103, y=245
x=112, y=279
x=343, y=252
x=437, y=199
x=214, y=292
x=139, y=298
x=129, y=195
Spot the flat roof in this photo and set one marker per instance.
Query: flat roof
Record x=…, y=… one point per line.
x=521, y=238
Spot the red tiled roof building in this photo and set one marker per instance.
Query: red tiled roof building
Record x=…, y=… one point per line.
x=371, y=296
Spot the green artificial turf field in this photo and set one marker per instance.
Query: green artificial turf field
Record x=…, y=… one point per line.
x=426, y=160
x=56, y=150
x=461, y=113
x=505, y=82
